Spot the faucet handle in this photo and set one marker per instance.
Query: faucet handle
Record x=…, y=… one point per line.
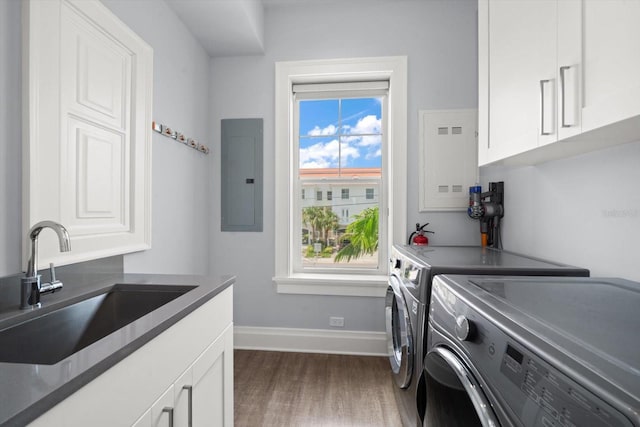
x=53, y=285
x=52, y=271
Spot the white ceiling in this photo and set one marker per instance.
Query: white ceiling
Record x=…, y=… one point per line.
x=224, y=27
x=236, y=27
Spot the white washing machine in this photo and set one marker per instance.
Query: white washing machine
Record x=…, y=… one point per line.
x=412, y=271
x=533, y=351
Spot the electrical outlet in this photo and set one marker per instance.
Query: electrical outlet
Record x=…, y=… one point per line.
x=336, y=321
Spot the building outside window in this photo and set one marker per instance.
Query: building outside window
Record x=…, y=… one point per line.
x=329, y=195
x=345, y=194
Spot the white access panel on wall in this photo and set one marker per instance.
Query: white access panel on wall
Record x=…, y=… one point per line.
x=448, y=158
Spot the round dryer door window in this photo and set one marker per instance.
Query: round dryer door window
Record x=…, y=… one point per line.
x=399, y=333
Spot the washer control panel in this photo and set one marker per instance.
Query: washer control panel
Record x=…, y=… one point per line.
x=561, y=402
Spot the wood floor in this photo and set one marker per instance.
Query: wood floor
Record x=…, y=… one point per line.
x=303, y=389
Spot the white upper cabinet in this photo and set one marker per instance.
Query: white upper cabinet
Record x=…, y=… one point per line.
x=87, y=133
x=611, y=52
x=552, y=71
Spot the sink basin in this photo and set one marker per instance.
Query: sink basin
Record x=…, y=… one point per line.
x=47, y=339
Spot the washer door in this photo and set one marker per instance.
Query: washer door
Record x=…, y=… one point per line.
x=454, y=396
x=399, y=334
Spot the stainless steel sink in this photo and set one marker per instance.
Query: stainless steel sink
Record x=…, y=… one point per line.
x=49, y=338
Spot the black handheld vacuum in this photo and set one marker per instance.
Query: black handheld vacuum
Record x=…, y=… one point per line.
x=489, y=209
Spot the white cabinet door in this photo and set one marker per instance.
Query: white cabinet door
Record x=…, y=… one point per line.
x=204, y=393
x=87, y=139
x=611, y=62
x=213, y=384
x=522, y=76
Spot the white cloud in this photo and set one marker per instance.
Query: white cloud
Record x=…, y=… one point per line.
x=368, y=124
x=326, y=155
x=357, y=143
x=317, y=131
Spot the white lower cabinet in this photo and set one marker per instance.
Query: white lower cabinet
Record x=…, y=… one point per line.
x=202, y=396
x=186, y=371
x=204, y=392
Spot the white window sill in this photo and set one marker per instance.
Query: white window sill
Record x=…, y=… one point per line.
x=333, y=284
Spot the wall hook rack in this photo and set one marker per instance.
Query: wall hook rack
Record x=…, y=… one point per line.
x=179, y=137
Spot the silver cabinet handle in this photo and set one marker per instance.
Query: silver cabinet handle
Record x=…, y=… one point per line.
x=169, y=410
x=189, y=389
x=542, y=123
x=562, y=89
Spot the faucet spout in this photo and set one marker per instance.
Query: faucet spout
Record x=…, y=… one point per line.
x=63, y=239
x=30, y=284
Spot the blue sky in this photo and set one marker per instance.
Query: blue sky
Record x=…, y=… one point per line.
x=358, y=144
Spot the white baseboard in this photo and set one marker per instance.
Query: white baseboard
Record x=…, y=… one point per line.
x=310, y=340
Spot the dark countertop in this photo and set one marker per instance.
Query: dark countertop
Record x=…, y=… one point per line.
x=27, y=390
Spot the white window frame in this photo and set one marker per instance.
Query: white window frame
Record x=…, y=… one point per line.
x=393, y=69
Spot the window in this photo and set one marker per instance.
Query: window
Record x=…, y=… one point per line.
x=302, y=196
x=369, y=195
x=360, y=147
x=339, y=139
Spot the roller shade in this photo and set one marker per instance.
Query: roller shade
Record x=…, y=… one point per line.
x=343, y=86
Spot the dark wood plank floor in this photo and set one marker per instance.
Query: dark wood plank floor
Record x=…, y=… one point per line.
x=304, y=389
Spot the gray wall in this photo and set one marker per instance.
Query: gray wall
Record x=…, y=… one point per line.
x=181, y=176
x=439, y=38
x=583, y=211
x=10, y=138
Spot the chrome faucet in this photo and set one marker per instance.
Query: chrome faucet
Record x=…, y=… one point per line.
x=30, y=286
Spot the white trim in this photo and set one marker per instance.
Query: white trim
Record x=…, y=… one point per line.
x=333, y=284
x=310, y=340
x=393, y=69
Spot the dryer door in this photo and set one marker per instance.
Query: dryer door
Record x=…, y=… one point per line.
x=454, y=396
x=400, y=345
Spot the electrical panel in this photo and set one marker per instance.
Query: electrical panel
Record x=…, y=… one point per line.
x=241, y=175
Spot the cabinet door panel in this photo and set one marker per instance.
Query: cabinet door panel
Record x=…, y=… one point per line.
x=522, y=54
x=611, y=61
x=213, y=384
